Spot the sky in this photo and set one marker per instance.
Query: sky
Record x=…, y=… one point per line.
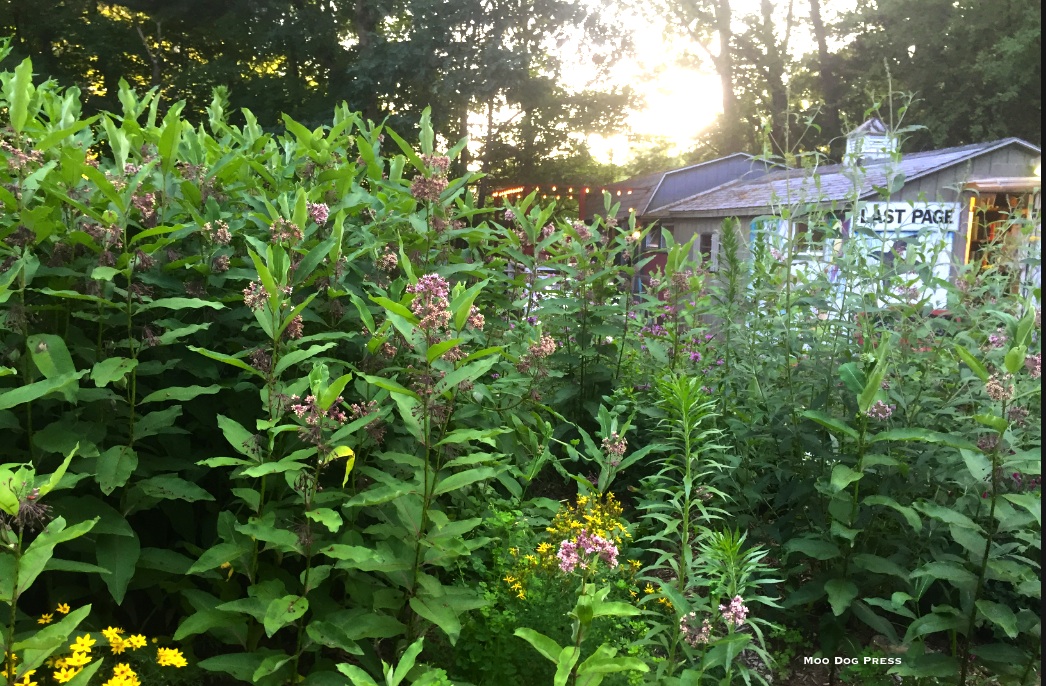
x=682, y=96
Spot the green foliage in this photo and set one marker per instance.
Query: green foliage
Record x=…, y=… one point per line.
x=295, y=392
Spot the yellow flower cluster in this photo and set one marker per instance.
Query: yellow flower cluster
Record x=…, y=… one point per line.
x=599, y=515
x=516, y=586
x=9, y=664
x=118, y=644
x=170, y=657
x=66, y=666
x=26, y=679
x=649, y=588
x=123, y=675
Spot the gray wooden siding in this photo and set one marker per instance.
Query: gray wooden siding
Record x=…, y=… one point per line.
x=946, y=186
x=685, y=229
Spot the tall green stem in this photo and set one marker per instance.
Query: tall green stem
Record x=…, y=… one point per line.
x=989, y=535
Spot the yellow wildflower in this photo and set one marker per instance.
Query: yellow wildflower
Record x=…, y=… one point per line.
x=83, y=644
x=65, y=674
x=112, y=633
x=123, y=669
x=63, y=608
x=633, y=594
x=545, y=547
x=514, y=551
x=521, y=595
x=123, y=675
x=45, y=618
x=649, y=589
x=118, y=646
x=530, y=559
x=170, y=657
x=136, y=641
x=78, y=660
x=509, y=579
x=26, y=681
x=635, y=564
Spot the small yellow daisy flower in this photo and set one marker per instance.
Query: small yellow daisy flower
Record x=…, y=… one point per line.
x=649, y=589
x=170, y=657
x=63, y=608
x=78, y=660
x=83, y=644
x=65, y=674
x=45, y=618
x=136, y=641
x=112, y=633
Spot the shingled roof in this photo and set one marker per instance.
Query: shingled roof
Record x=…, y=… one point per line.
x=648, y=192
x=830, y=183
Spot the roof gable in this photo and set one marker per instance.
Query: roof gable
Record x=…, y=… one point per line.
x=830, y=183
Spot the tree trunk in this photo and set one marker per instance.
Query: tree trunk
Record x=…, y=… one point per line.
x=484, y=184
x=725, y=66
x=365, y=25
x=775, y=72
x=829, y=83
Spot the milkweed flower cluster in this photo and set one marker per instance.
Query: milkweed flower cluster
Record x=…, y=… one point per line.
x=910, y=294
x=574, y=553
x=581, y=230
x=694, y=634
x=312, y=414
x=476, y=319
x=735, y=613
x=880, y=411
x=1033, y=363
x=318, y=212
x=615, y=446
x=255, y=295
x=218, y=231
x=296, y=328
x=387, y=261
x=430, y=303
x=429, y=188
x=999, y=388
x=538, y=351
x=283, y=230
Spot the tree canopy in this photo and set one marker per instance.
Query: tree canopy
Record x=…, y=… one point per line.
x=495, y=69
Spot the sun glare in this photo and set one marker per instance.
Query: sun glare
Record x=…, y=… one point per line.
x=678, y=100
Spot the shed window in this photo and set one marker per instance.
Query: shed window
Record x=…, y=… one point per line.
x=706, y=245
x=809, y=243
x=654, y=238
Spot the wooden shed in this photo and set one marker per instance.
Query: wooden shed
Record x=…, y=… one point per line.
x=963, y=192
x=647, y=193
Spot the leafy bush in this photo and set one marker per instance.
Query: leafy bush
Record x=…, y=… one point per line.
x=286, y=398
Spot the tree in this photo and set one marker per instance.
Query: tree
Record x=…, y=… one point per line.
x=973, y=65
x=387, y=58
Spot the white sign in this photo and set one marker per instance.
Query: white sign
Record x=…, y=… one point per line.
x=929, y=228
x=909, y=217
